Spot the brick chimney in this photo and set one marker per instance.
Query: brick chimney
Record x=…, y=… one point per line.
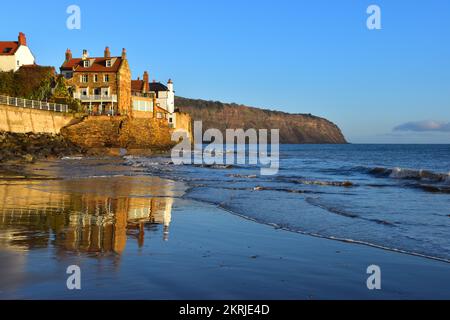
x=68, y=55
x=146, y=80
x=22, y=39
x=124, y=53
x=107, y=53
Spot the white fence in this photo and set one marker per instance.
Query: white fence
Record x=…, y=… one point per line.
x=34, y=104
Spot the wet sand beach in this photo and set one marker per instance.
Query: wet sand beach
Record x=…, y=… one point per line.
x=136, y=236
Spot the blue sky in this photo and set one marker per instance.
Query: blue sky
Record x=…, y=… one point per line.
x=299, y=56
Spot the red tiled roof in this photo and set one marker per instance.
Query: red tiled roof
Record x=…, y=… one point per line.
x=8, y=48
x=97, y=65
x=137, y=85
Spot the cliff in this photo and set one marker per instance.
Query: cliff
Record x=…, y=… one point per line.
x=294, y=128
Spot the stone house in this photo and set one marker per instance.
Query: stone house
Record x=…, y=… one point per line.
x=153, y=99
x=103, y=84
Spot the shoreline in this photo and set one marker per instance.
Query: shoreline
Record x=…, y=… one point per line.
x=318, y=236
x=233, y=256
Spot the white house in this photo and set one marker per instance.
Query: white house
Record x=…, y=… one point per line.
x=14, y=54
x=145, y=94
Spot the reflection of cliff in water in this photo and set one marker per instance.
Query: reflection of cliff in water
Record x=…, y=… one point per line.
x=84, y=215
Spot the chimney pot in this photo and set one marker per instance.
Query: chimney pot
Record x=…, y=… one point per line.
x=22, y=39
x=107, y=53
x=146, y=85
x=68, y=55
x=124, y=53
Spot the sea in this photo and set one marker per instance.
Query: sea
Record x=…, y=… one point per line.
x=393, y=197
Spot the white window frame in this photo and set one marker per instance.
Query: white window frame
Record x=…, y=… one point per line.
x=83, y=77
x=86, y=63
x=108, y=63
x=107, y=90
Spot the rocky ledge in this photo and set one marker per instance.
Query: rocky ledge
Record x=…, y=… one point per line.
x=30, y=146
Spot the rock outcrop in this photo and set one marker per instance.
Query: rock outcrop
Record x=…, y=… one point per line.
x=29, y=146
x=120, y=132
x=294, y=128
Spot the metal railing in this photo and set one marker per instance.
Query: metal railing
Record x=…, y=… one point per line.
x=105, y=98
x=33, y=104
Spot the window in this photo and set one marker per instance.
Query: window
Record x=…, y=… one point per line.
x=106, y=78
x=108, y=63
x=140, y=105
x=86, y=63
x=95, y=78
x=84, y=78
x=84, y=91
x=97, y=91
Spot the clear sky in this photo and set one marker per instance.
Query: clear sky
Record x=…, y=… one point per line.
x=301, y=56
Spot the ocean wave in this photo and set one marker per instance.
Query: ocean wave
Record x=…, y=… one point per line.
x=432, y=188
x=242, y=176
x=315, y=202
x=214, y=166
x=410, y=174
x=342, y=212
x=308, y=181
x=261, y=188
x=346, y=184
x=329, y=237
x=140, y=162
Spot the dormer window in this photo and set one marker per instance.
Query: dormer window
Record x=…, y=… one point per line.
x=86, y=63
x=108, y=63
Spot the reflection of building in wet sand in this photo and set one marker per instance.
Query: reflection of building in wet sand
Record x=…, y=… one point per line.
x=98, y=221
x=103, y=224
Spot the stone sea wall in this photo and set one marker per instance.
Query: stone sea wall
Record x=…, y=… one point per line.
x=26, y=120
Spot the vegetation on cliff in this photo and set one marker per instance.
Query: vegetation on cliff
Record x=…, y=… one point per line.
x=37, y=83
x=294, y=128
